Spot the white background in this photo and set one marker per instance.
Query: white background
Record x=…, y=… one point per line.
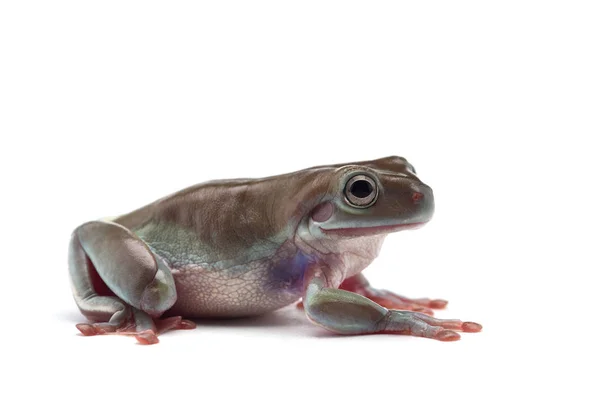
x=107, y=106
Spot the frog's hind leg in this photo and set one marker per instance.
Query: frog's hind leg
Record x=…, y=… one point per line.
x=119, y=284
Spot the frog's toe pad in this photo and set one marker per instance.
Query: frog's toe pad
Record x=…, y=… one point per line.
x=471, y=327
x=146, y=337
x=447, y=336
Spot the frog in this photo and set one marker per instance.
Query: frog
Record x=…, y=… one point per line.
x=245, y=247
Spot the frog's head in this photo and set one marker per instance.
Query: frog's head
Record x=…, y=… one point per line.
x=373, y=197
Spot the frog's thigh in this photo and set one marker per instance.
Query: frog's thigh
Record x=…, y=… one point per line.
x=126, y=265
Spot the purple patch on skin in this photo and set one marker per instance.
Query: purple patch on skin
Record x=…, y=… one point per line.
x=322, y=212
x=288, y=274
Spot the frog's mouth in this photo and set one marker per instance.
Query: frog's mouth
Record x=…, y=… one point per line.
x=371, y=230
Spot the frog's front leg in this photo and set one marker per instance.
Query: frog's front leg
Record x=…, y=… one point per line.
x=346, y=312
x=119, y=284
x=359, y=284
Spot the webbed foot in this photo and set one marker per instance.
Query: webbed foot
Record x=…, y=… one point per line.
x=418, y=324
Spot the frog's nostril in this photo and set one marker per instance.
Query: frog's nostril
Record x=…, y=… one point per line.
x=416, y=197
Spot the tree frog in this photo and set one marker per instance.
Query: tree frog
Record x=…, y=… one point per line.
x=244, y=247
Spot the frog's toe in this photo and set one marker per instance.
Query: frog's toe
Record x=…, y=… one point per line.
x=144, y=333
x=395, y=302
x=437, y=304
x=160, y=326
x=454, y=324
x=440, y=329
x=400, y=305
x=147, y=337
x=447, y=335
x=359, y=284
x=173, y=323
x=423, y=305
x=417, y=324
x=95, y=329
x=143, y=327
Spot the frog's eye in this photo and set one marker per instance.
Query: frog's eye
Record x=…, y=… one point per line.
x=360, y=191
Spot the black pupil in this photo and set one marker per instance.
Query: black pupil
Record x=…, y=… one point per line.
x=361, y=189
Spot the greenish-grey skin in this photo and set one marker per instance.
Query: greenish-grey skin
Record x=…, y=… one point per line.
x=244, y=247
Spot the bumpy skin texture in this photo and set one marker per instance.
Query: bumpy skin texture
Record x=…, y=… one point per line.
x=245, y=247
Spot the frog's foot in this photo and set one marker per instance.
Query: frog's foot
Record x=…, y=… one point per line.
x=418, y=324
x=359, y=284
x=144, y=328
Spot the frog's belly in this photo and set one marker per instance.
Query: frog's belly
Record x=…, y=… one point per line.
x=244, y=290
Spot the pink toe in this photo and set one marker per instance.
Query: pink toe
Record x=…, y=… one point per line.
x=471, y=327
x=186, y=324
x=86, y=329
x=147, y=337
x=438, y=303
x=447, y=336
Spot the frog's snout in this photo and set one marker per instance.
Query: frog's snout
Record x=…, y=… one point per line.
x=422, y=195
x=423, y=201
